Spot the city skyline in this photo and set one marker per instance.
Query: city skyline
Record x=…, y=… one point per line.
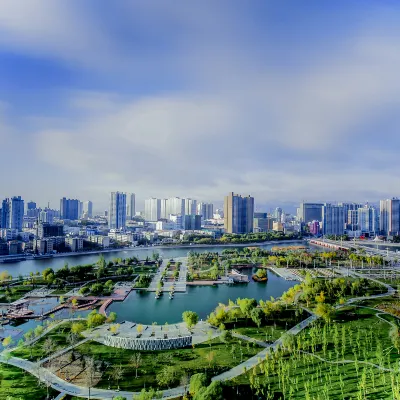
x=243, y=102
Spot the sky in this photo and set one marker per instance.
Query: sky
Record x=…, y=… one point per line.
x=284, y=100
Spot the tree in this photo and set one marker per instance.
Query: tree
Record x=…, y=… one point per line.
x=246, y=305
x=7, y=342
x=139, y=329
x=167, y=376
x=77, y=328
x=117, y=373
x=394, y=335
x=261, y=273
x=136, y=361
x=112, y=317
x=48, y=346
x=4, y=276
x=197, y=381
x=210, y=357
x=190, y=318
x=89, y=375
x=257, y=315
x=95, y=319
x=148, y=395
x=212, y=392
x=325, y=311
x=114, y=328
x=226, y=337
x=38, y=330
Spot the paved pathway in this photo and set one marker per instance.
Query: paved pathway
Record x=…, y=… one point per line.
x=250, y=339
x=63, y=351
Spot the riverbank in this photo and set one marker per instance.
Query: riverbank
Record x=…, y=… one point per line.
x=155, y=248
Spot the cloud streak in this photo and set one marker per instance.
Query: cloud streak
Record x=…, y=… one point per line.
x=229, y=114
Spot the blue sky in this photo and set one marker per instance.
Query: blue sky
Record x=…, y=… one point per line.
x=284, y=100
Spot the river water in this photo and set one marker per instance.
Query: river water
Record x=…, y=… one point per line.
x=25, y=267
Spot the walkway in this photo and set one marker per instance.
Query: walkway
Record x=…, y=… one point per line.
x=63, y=351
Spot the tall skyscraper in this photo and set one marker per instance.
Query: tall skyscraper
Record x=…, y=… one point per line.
x=238, y=213
x=332, y=220
x=206, y=210
x=16, y=213
x=309, y=212
x=278, y=214
x=152, y=209
x=117, y=211
x=88, y=208
x=31, y=205
x=190, y=206
x=163, y=209
x=389, y=222
x=367, y=220
x=69, y=209
x=175, y=205
x=5, y=213
x=130, y=205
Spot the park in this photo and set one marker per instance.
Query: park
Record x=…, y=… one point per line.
x=331, y=330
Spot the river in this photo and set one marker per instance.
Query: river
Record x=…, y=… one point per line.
x=25, y=267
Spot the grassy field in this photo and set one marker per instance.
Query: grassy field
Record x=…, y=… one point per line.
x=15, y=384
x=59, y=337
x=186, y=361
x=334, y=361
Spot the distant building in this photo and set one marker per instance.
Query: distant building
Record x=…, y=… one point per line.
x=238, y=213
x=15, y=247
x=31, y=205
x=205, y=210
x=192, y=222
x=69, y=209
x=190, y=207
x=262, y=222
x=88, y=208
x=75, y=244
x=48, y=215
x=164, y=225
x=117, y=211
x=315, y=228
x=130, y=205
x=102, y=241
x=390, y=217
x=46, y=230
x=177, y=219
x=332, y=219
x=16, y=213
x=368, y=220
x=277, y=226
x=309, y=212
x=152, y=209
x=5, y=214
x=44, y=246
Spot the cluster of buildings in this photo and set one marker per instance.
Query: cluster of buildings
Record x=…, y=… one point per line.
x=74, y=227
x=352, y=219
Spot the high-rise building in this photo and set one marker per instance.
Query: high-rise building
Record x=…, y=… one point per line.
x=117, y=211
x=278, y=214
x=367, y=220
x=175, y=205
x=205, y=210
x=5, y=214
x=31, y=205
x=48, y=215
x=389, y=222
x=332, y=220
x=69, y=209
x=238, y=213
x=192, y=222
x=309, y=212
x=152, y=209
x=163, y=209
x=190, y=206
x=130, y=205
x=88, y=208
x=16, y=213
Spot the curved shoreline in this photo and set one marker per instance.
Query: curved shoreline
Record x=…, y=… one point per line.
x=154, y=248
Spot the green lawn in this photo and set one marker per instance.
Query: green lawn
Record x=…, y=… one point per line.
x=186, y=361
x=15, y=384
x=58, y=335
x=358, y=336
